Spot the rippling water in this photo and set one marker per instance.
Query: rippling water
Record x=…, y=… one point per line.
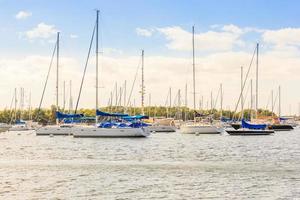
x=162, y=166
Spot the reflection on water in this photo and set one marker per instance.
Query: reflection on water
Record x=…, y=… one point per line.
x=163, y=166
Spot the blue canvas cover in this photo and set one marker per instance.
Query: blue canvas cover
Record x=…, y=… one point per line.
x=60, y=115
x=253, y=126
x=105, y=114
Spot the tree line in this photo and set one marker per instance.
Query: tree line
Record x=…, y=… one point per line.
x=47, y=115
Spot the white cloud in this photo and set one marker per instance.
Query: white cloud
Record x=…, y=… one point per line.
x=144, y=32
x=180, y=39
x=41, y=31
x=73, y=36
x=23, y=14
x=282, y=37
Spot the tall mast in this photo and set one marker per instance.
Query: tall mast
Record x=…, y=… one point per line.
x=16, y=101
x=57, y=70
x=242, y=98
x=97, y=33
x=125, y=88
x=64, y=95
x=257, y=51
x=170, y=98
x=71, y=98
x=185, y=103
x=221, y=102
x=279, y=101
x=272, y=99
x=143, y=86
x=251, y=99
x=194, y=81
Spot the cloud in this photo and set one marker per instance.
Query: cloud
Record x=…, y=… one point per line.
x=73, y=36
x=282, y=37
x=180, y=39
x=41, y=31
x=144, y=32
x=23, y=14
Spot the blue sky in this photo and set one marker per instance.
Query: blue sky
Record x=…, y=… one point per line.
x=226, y=33
x=120, y=18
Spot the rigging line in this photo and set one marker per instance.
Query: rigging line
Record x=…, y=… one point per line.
x=245, y=97
x=47, y=78
x=85, y=67
x=269, y=99
x=216, y=101
x=135, y=77
x=167, y=99
x=245, y=79
x=10, y=108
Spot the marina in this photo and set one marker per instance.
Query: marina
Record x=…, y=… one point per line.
x=149, y=100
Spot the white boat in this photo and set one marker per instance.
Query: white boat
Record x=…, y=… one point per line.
x=4, y=127
x=92, y=131
x=19, y=127
x=161, y=128
x=200, y=129
x=55, y=130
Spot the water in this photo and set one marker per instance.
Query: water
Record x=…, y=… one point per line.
x=162, y=166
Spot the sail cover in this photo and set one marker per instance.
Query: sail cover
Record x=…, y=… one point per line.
x=253, y=126
x=105, y=114
x=60, y=115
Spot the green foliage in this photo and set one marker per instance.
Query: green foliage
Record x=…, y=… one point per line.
x=47, y=116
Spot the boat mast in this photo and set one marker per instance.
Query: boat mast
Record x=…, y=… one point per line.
x=97, y=41
x=194, y=81
x=279, y=102
x=64, y=96
x=251, y=100
x=272, y=99
x=256, y=106
x=143, y=86
x=16, y=101
x=71, y=98
x=221, y=102
x=57, y=70
x=242, y=98
x=185, y=117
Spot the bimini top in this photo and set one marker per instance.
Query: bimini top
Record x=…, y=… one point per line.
x=105, y=114
x=253, y=126
x=60, y=115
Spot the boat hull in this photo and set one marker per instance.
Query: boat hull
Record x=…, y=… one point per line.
x=90, y=132
x=53, y=130
x=200, y=130
x=4, y=129
x=249, y=132
x=281, y=127
x=161, y=128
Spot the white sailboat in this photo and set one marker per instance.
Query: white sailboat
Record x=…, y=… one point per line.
x=114, y=131
x=194, y=128
x=56, y=129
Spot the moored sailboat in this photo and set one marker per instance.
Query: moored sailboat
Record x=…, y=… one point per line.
x=113, y=130
x=197, y=128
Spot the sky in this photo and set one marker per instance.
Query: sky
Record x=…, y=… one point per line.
x=226, y=33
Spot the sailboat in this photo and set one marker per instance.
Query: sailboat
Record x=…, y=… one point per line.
x=111, y=130
x=278, y=125
x=194, y=128
x=57, y=129
x=247, y=128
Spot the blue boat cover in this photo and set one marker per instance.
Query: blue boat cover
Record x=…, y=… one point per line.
x=105, y=114
x=60, y=115
x=253, y=126
x=135, y=117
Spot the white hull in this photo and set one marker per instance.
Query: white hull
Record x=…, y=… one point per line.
x=109, y=132
x=205, y=129
x=54, y=130
x=161, y=128
x=19, y=129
